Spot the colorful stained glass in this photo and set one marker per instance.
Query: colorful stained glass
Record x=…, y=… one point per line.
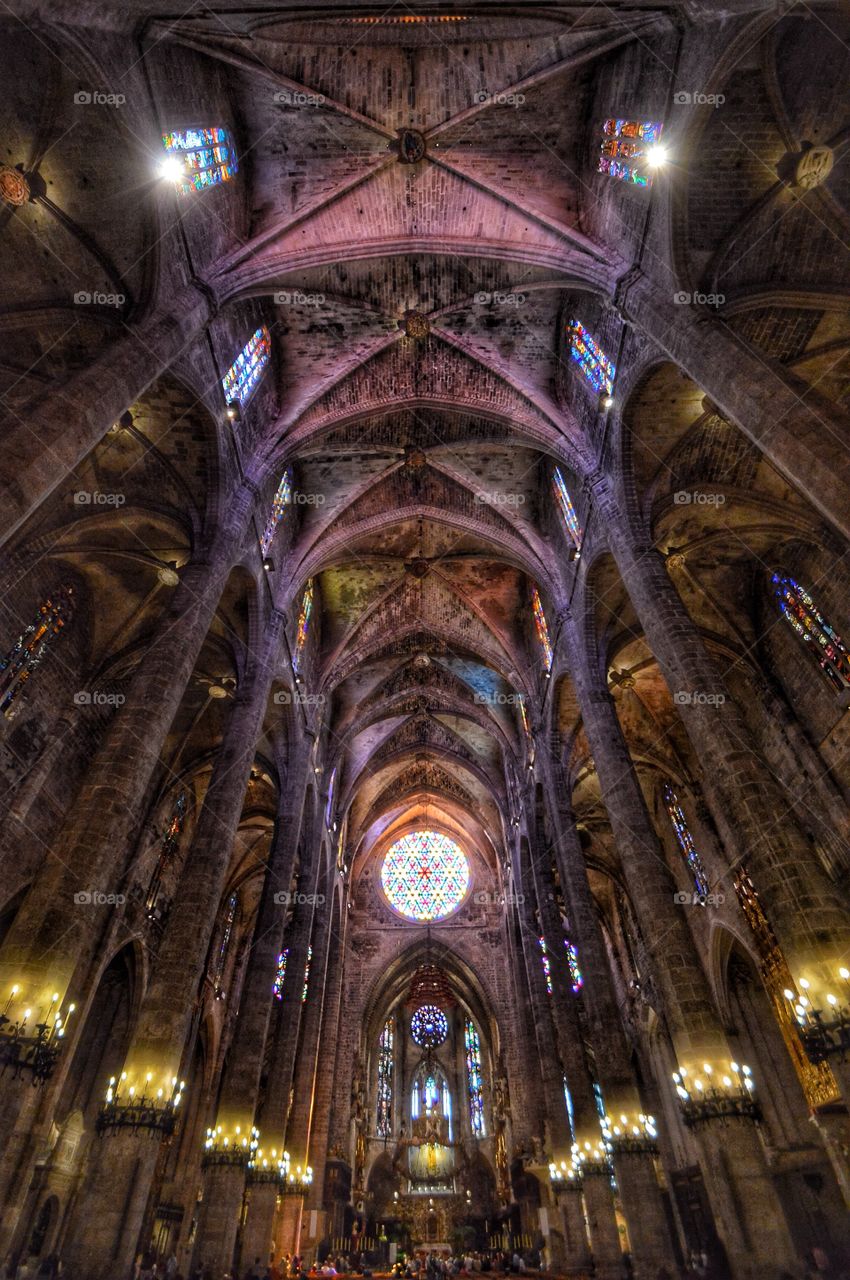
x=819, y=636
x=281, y=501
x=280, y=975
x=29, y=649
x=541, y=628
x=206, y=157
x=303, y=625
x=425, y=875
x=168, y=849
x=685, y=839
x=576, y=977
x=242, y=378
x=307, y=973
x=385, y=1081
x=591, y=359
x=547, y=964
x=568, y=511
x=224, y=944
x=429, y=1026
x=329, y=804
x=474, y=1079
x=624, y=151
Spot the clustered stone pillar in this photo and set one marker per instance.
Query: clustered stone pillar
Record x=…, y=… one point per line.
x=108, y=1214
x=577, y=1258
x=52, y=944
x=226, y=1160
x=747, y=1210
x=649, y=1231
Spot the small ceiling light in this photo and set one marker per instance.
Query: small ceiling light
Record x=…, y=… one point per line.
x=607, y=402
x=232, y=411
x=657, y=155
x=268, y=564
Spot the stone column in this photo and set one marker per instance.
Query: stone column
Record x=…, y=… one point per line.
x=577, y=1257
x=53, y=942
x=224, y=1180
x=258, y=1230
x=805, y=909
x=801, y=431
x=40, y=450
x=649, y=1232
x=748, y=1213
x=104, y=1230
x=569, y=1037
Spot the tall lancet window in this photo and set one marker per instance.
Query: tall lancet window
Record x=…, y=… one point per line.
x=303, y=625
x=626, y=150
x=280, y=502
x=167, y=851
x=199, y=158
x=329, y=803
x=817, y=634
x=29, y=649
x=541, y=628
x=243, y=377
x=220, y=963
x=685, y=839
x=568, y=511
x=307, y=973
x=474, y=1078
x=280, y=975
x=385, y=1080
x=586, y=352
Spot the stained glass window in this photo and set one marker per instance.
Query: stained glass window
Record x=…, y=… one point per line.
x=280, y=976
x=385, y=1080
x=242, y=378
x=590, y=358
x=474, y=1080
x=624, y=151
x=203, y=158
x=224, y=944
x=819, y=636
x=168, y=848
x=425, y=875
x=541, y=628
x=568, y=1099
x=281, y=501
x=29, y=649
x=567, y=509
x=572, y=964
x=307, y=972
x=303, y=625
x=685, y=839
x=429, y=1026
x=547, y=964
x=329, y=805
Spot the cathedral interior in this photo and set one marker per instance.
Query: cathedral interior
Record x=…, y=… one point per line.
x=424, y=567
